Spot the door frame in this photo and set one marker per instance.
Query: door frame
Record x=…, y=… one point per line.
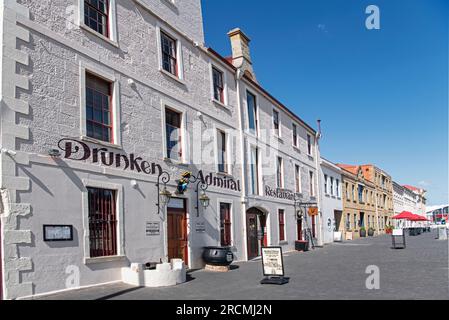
x=257, y=213
x=184, y=212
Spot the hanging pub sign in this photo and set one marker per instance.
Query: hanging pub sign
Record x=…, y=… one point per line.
x=273, y=266
x=313, y=211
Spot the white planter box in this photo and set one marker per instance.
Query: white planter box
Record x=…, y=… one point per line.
x=166, y=274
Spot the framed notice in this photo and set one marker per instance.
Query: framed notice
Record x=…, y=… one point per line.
x=58, y=232
x=153, y=228
x=200, y=227
x=272, y=261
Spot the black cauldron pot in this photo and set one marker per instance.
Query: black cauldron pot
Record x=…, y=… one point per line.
x=218, y=256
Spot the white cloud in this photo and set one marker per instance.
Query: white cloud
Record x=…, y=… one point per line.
x=425, y=183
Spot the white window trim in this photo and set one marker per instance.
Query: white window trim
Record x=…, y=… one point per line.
x=119, y=214
x=112, y=23
x=273, y=110
x=248, y=131
x=259, y=170
x=184, y=142
x=180, y=68
x=312, y=183
x=296, y=177
x=296, y=137
x=311, y=144
x=225, y=102
x=228, y=150
x=285, y=226
x=326, y=184
x=107, y=75
x=229, y=201
x=282, y=186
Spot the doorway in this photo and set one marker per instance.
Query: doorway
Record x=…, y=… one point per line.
x=177, y=230
x=299, y=229
x=337, y=218
x=256, y=232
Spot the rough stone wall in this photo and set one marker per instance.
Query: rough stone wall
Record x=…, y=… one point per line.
x=11, y=132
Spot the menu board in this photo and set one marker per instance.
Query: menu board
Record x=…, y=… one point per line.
x=272, y=261
x=58, y=233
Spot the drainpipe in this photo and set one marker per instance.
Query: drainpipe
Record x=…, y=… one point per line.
x=318, y=173
x=238, y=77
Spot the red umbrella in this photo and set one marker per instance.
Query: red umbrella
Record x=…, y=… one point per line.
x=404, y=215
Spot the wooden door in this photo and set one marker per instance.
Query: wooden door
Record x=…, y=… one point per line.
x=299, y=229
x=251, y=235
x=177, y=234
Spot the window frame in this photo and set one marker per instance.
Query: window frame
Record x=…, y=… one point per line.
x=282, y=225
x=179, y=58
x=312, y=183
x=225, y=86
x=309, y=145
x=257, y=175
x=256, y=113
x=298, y=179
x=228, y=158
x=273, y=122
x=112, y=37
x=295, y=137
x=108, y=76
x=119, y=207
x=326, y=190
x=231, y=231
x=185, y=156
x=280, y=172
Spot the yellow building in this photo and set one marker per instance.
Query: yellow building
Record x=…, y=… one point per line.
x=359, y=203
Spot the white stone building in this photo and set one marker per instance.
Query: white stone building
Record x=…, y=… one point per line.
x=96, y=111
x=409, y=198
x=332, y=204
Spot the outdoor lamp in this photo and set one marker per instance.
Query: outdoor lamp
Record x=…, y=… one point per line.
x=204, y=200
x=165, y=196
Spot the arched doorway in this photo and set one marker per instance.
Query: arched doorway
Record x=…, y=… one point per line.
x=256, y=231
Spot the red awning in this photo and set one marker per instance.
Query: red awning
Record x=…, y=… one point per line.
x=404, y=215
x=417, y=217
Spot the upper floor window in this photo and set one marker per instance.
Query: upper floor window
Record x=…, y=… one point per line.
x=169, y=57
x=96, y=16
x=98, y=108
x=309, y=144
x=338, y=187
x=173, y=134
x=326, y=191
x=312, y=183
x=252, y=112
x=218, y=82
x=254, y=166
x=276, y=122
x=295, y=135
x=347, y=190
x=297, y=179
x=222, y=152
x=361, y=193
x=353, y=193
x=279, y=173
x=332, y=186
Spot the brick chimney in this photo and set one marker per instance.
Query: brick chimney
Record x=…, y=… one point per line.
x=241, y=57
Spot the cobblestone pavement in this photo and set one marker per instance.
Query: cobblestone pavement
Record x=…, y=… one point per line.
x=336, y=271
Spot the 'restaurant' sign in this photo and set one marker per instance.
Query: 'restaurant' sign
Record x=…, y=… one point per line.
x=272, y=261
x=279, y=193
x=80, y=151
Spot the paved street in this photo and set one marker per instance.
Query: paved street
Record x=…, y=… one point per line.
x=336, y=271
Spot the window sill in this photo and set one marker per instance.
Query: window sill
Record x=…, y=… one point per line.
x=296, y=149
x=104, y=259
x=100, y=142
x=172, y=76
x=279, y=138
x=220, y=104
x=175, y=162
x=99, y=35
x=224, y=174
x=310, y=157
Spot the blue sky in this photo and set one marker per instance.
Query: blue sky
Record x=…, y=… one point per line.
x=382, y=95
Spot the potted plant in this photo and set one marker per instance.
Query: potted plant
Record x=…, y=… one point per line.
x=389, y=229
x=370, y=231
x=362, y=232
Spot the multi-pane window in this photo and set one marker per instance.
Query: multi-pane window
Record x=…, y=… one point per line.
x=102, y=222
x=225, y=224
x=325, y=184
x=98, y=108
x=332, y=186
x=276, y=122
x=217, y=77
x=281, y=215
x=173, y=134
x=222, y=152
x=252, y=112
x=338, y=187
x=309, y=144
x=311, y=183
x=96, y=15
x=295, y=135
x=279, y=173
x=254, y=171
x=169, y=59
x=297, y=178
